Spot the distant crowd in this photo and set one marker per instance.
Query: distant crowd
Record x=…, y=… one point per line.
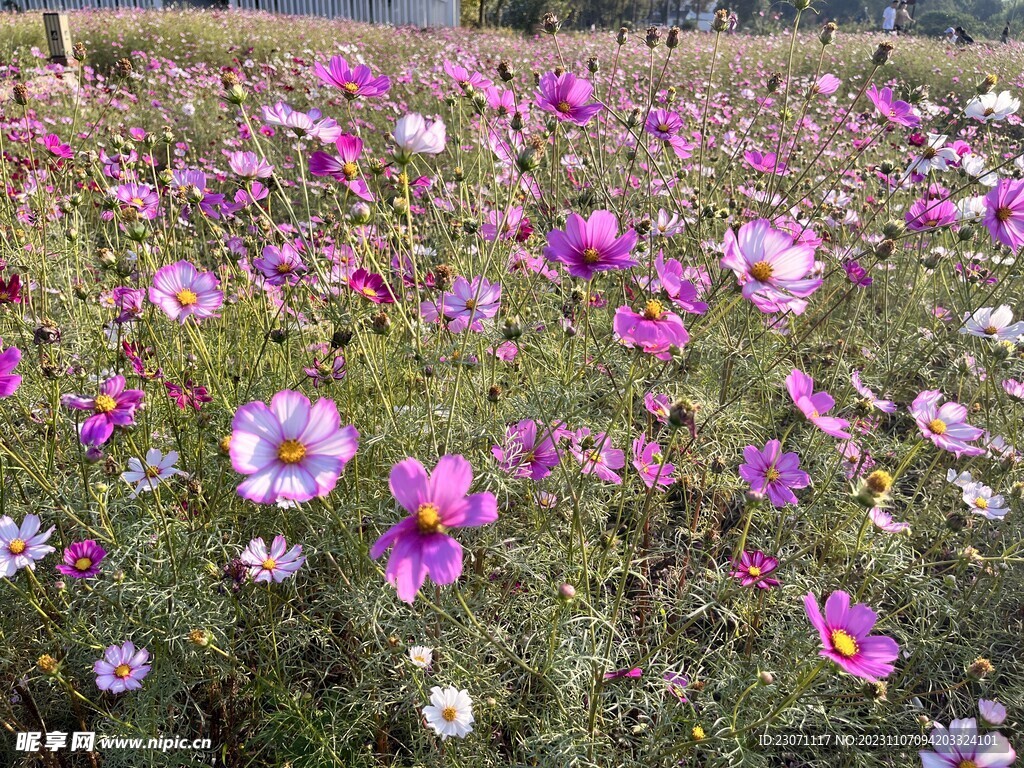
x=898, y=20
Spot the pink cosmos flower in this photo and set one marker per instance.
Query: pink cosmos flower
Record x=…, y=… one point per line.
x=10, y=290
x=649, y=461
x=343, y=167
x=655, y=331
x=352, y=82
x=682, y=291
x=676, y=684
x=22, y=545
x=276, y=564
x=504, y=225
x=765, y=163
x=665, y=126
x=772, y=472
x=658, y=406
x=279, y=266
x=753, y=568
x=1004, y=213
x=290, y=450
x=992, y=712
x=891, y=109
x=855, y=461
x=188, y=395
x=310, y=123
x=946, y=425
x=590, y=246
x=466, y=79
x=467, y=303
x=963, y=746
x=371, y=286
x=420, y=545
x=814, y=405
x=413, y=136
x=771, y=267
x=122, y=668
x=320, y=372
x=844, y=636
x=597, y=456
x=884, y=522
x=1014, y=389
x=9, y=359
x=139, y=197
x=249, y=165
x=870, y=398
x=996, y=324
x=928, y=213
x=182, y=291
x=82, y=560
x=56, y=148
x=826, y=85
x=619, y=674
x=565, y=97
x=530, y=449
x=112, y=406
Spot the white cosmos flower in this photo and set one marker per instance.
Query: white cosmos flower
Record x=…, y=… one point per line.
x=974, y=165
x=980, y=499
x=971, y=208
x=992, y=107
x=450, y=712
x=934, y=157
x=961, y=480
x=413, y=136
x=421, y=656
x=147, y=476
x=992, y=323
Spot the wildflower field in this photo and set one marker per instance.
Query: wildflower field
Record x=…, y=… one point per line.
x=391, y=397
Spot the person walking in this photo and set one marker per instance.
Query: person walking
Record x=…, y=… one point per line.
x=903, y=19
x=962, y=38
x=889, y=17
x=1005, y=37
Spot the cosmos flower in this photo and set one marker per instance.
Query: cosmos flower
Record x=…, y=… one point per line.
x=182, y=291
x=935, y=156
x=844, y=631
x=994, y=324
x=82, y=560
x=21, y=546
x=530, y=449
x=676, y=684
x=1004, y=213
x=596, y=455
x=122, y=668
x=826, y=85
x=421, y=656
x=279, y=266
x=928, y=213
x=665, y=126
x=276, y=564
x=466, y=79
x=620, y=674
x=10, y=290
x=589, y=246
x=765, y=163
x=311, y=123
x=649, y=461
x=870, y=398
x=290, y=450
x=9, y=359
x=413, y=136
x=891, y=109
x=962, y=746
x=992, y=107
x=249, y=165
x=321, y=373
x=656, y=331
x=437, y=503
x=946, y=425
x=371, y=286
x=814, y=405
x=148, y=475
x=468, y=303
x=188, y=394
x=1014, y=389
x=566, y=97
x=884, y=522
x=343, y=167
x=450, y=712
x=112, y=406
x=753, y=568
x=771, y=267
x=772, y=472
x=658, y=406
x=982, y=501
x=354, y=83
x=139, y=197
x=992, y=712
x=673, y=279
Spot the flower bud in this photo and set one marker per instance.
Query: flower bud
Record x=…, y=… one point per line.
x=200, y=638
x=20, y=91
x=980, y=668
x=765, y=678
x=881, y=54
x=550, y=23
x=721, y=21
x=505, y=72
x=566, y=592
x=78, y=51
x=653, y=39
x=622, y=36
x=48, y=664
x=885, y=249
x=593, y=65
x=828, y=33
x=672, y=40
x=987, y=84
x=774, y=81
x=893, y=229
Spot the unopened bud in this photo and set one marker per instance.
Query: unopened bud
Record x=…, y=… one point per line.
x=622, y=36
x=653, y=39
x=828, y=33
x=672, y=39
x=881, y=54
x=987, y=84
x=721, y=21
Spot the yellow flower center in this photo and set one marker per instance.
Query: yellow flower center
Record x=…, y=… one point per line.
x=137, y=201
x=879, y=481
x=762, y=271
x=269, y=564
x=83, y=564
x=697, y=733
x=981, y=503
x=283, y=268
x=1004, y=214
x=929, y=153
x=291, y=451
x=664, y=127
x=989, y=111
x=152, y=471
x=16, y=547
x=844, y=643
x=186, y=297
x=591, y=256
x=369, y=293
x=470, y=304
x=449, y=714
x=991, y=330
x=772, y=474
x=564, y=107
x=350, y=87
x=967, y=764
x=938, y=426
x=122, y=671
x=350, y=170
x=104, y=404
x=754, y=571
x=653, y=310
x=428, y=518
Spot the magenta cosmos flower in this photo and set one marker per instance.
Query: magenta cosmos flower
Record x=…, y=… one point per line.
x=113, y=406
x=892, y=109
x=371, y=286
x=344, y=166
x=962, y=746
x=597, y=456
x=275, y=564
x=530, y=449
x=420, y=545
x=814, y=405
x=468, y=303
x=182, y=291
x=9, y=381
x=771, y=267
x=122, y=668
x=945, y=425
x=650, y=462
x=21, y=545
x=565, y=96
x=589, y=246
x=290, y=450
x=352, y=82
x=82, y=559
x=774, y=473
x=928, y=213
x=1004, y=213
x=767, y=162
x=655, y=331
x=752, y=570
x=844, y=634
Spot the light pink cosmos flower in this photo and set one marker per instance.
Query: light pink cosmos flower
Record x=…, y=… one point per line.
x=280, y=265
x=826, y=85
x=814, y=405
x=597, y=456
x=656, y=331
x=290, y=450
x=884, y=522
x=566, y=97
x=1014, y=389
x=413, y=136
x=530, y=449
x=468, y=303
x=962, y=746
x=148, y=475
x=122, y=668
x=22, y=545
x=844, y=631
x=658, y=406
x=945, y=425
x=771, y=267
x=249, y=165
x=466, y=79
x=673, y=279
x=870, y=398
x=9, y=381
x=767, y=162
x=996, y=324
x=992, y=712
x=276, y=564
x=311, y=123
x=438, y=502
x=182, y=291
x=892, y=109
x=650, y=462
